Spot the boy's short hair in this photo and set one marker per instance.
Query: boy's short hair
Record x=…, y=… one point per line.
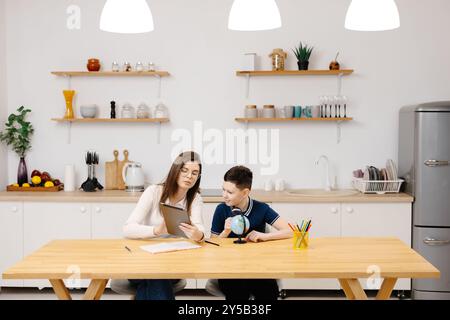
x=241, y=176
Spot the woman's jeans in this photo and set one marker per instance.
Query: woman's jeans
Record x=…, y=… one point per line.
x=158, y=289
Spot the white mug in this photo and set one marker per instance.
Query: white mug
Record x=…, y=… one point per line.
x=279, y=185
x=268, y=186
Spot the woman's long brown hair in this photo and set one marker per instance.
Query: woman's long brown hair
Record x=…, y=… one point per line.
x=170, y=186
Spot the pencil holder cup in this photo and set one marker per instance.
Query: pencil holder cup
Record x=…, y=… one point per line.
x=301, y=240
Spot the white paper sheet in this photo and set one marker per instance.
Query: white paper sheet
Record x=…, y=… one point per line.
x=169, y=247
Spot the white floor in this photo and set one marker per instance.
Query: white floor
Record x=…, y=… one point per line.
x=47, y=294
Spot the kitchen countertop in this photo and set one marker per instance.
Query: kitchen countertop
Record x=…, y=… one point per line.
x=209, y=197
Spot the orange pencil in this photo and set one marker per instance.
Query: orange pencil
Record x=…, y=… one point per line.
x=291, y=227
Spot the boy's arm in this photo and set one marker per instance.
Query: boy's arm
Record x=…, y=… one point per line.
x=283, y=230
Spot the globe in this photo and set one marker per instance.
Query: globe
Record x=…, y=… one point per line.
x=237, y=225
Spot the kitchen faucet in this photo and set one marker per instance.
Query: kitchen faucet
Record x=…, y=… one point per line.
x=327, y=162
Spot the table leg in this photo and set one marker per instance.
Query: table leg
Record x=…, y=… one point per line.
x=60, y=289
x=96, y=289
x=353, y=289
x=386, y=289
x=346, y=288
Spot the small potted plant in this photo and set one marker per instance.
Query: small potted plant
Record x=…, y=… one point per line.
x=303, y=53
x=18, y=134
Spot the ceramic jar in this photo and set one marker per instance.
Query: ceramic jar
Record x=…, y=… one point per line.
x=268, y=111
x=251, y=111
x=93, y=65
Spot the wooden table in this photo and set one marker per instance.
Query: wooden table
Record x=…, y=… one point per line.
x=345, y=259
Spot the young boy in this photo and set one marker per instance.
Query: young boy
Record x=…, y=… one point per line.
x=236, y=189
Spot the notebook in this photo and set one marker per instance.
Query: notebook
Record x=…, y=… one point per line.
x=169, y=247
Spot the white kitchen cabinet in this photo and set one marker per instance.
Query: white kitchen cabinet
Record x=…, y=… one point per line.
x=325, y=223
x=11, y=239
x=378, y=220
x=44, y=222
x=108, y=219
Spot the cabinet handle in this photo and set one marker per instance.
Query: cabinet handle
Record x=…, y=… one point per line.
x=435, y=242
x=436, y=163
x=350, y=210
x=83, y=209
x=98, y=209
x=334, y=210
x=14, y=209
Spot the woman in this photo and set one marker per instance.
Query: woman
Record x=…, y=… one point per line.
x=181, y=189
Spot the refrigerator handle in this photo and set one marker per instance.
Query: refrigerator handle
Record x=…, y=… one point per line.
x=434, y=242
x=436, y=163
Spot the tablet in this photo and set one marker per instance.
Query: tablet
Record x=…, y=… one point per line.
x=173, y=217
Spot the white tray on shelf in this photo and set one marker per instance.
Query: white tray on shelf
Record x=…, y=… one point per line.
x=378, y=187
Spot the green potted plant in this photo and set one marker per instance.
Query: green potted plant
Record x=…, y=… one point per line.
x=303, y=53
x=18, y=134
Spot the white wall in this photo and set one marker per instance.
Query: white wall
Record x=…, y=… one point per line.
x=191, y=40
x=3, y=100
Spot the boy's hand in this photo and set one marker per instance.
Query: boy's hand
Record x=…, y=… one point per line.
x=226, y=228
x=228, y=224
x=256, y=236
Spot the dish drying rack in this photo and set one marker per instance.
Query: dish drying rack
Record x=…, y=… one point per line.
x=378, y=187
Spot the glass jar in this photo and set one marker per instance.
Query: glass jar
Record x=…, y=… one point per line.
x=115, y=67
x=139, y=67
x=127, y=67
x=128, y=111
x=161, y=111
x=143, y=111
x=278, y=59
x=151, y=67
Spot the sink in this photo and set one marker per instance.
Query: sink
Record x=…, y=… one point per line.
x=323, y=193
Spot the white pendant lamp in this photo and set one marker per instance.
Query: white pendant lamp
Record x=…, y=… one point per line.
x=254, y=15
x=372, y=15
x=126, y=16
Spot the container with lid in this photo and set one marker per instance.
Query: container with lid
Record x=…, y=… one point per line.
x=268, y=111
x=139, y=67
x=161, y=111
x=143, y=111
x=251, y=111
x=128, y=111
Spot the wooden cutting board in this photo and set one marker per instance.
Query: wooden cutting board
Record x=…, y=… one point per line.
x=111, y=167
x=120, y=181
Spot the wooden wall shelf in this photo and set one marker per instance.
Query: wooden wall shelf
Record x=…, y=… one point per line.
x=111, y=74
x=296, y=73
x=97, y=120
x=292, y=119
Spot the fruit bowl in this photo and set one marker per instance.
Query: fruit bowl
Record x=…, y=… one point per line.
x=40, y=182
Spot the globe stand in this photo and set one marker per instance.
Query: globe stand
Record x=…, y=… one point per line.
x=240, y=241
